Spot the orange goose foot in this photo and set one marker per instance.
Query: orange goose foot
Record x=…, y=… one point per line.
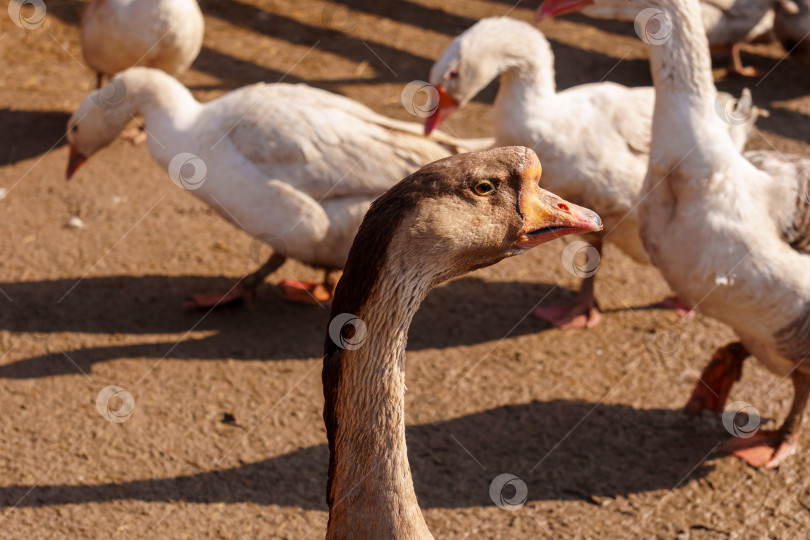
x=579, y=316
x=766, y=448
x=307, y=292
x=712, y=389
x=218, y=299
x=674, y=303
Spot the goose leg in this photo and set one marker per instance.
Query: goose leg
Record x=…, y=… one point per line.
x=714, y=385
x=770, y=448
x=243, y=290
x=675, y=304
x=584, y=313
x=736, y=66
x=311, y=292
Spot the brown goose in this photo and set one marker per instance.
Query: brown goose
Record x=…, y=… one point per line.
x=450, y=217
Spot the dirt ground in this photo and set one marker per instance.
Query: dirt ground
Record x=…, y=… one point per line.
x=226, y=438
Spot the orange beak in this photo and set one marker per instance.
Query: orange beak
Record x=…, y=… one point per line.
x=74, y=162
x=547, y=216
x=552, y=8
x=447, y=104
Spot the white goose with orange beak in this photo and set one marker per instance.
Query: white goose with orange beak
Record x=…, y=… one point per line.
x=593, y=139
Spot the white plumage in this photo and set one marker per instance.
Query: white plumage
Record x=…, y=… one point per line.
x=593, y=140
x=292, y=165
x=163, y=34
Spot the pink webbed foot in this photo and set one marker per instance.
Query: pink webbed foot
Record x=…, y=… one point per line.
x=766, y=448
x=217, y=299
x=674, y=303
x=307, y=292
x=579, y=316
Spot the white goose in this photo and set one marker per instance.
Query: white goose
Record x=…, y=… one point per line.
x=728, y=23
x=593, y=139
x=294, y=166
x=727, y=236
x=118, y=34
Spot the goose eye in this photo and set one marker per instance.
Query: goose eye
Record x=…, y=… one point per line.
x=453, y=75
x=484, y=187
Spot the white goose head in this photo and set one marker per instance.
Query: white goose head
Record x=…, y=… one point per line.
x=484, y=51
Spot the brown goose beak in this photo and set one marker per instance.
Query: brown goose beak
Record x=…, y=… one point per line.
x=75, y=161
x=547, y=216
x=447, y=104
x=552, y=8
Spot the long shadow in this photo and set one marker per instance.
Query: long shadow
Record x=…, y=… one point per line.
x=267, y=328
x=414, y=14
x=67, y=11
x=28, y=134
x=406, y=65
x=616, y=451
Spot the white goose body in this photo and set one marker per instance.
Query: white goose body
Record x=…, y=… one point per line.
x=292, y=165
x=164, y=34
x=721, y=230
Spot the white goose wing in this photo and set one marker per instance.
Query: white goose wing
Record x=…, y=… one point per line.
x=323, y=144
x=789, y=173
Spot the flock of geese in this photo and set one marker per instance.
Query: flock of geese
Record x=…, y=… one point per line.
x=319, y=178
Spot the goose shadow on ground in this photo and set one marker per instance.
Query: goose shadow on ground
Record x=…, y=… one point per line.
x=616, y=451
x=266, y=328
x=27, y=134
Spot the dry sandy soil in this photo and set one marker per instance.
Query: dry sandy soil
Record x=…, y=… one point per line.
x=226, y=438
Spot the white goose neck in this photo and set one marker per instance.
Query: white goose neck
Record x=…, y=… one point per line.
x=680, y=61
x=166, y=106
